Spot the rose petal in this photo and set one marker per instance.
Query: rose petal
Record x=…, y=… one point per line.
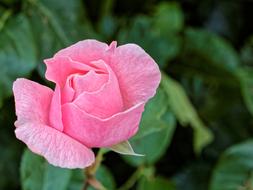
x=32, y=101
x=105, y=102
x=84, y=51
x=58, y=69
x=55, y=114
x=137, y=73
x=59, y=149
x=68, y=92
x=96, y=132
x=90, y=82
x=77, y=84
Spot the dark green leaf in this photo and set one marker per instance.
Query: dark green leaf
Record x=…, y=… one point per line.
x=234, y=169
x=143, y=33
x=168, y=18
x=17, y=53
x=185, y=112
x=247, y=53
x=36, y=174
x=211, y=49
x=245, y=76
x=106, y=178
x=10, y=149
x=151, y=118
x=155, y=183
x=76, y=180
x=57, y=24
x=153, y=145
x=193, y=177
x=103, y=175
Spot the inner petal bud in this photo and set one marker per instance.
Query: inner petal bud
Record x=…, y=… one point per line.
x=90, y=82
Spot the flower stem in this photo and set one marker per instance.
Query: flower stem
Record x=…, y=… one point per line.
x=133, y=179
x=90, y=178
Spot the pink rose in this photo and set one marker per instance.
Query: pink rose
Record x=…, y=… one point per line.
x=98, y=101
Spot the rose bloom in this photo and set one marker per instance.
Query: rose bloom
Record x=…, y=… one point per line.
x=99, y=96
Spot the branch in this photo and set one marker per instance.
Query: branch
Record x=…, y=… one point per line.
x=90, y=179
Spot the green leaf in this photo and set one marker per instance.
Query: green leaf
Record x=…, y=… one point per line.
x=168, y=18
x=67, y=19
x=211, y=49
x=57, y=24
x=76, y=180
x=194, y=176
x=185, y=112
x=245, y=76
x=208, y=56
x=151, y=118
x=10, y=149
x=142, y=32
x=155, y=183
x=234, y=169
x=17, y=53
x=247, y=52
x=153, y=145
x=105, y=177
x=155, y=133
x=36, y=174
x=124, y=148
x=61, y=178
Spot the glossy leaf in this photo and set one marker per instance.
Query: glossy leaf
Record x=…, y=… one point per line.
x=153, y=145
x=234, y=169
x=17, y=52
x=211, y=49
x=38, y=174
x=142, y=32
x=245, y=76
x=151, y=118
x=57, y=24
x=185, y=112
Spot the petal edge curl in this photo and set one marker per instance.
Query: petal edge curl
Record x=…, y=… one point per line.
x=96, y=132
x=137, y=73
x=57, y=148
x=32, y=101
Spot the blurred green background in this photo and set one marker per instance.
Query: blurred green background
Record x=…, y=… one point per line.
x=196, y=133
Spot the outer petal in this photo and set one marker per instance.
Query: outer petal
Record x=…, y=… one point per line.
x=58, y=69
x=55, y=114
x=137, y=73
x=96, y=132
x=85, y=51
x=59, y=149
x=32, y=101
x=73, y=59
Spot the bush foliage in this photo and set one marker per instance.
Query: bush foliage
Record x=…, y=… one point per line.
x=196, y=133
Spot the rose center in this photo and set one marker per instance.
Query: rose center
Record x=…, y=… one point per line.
x=90, y=82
